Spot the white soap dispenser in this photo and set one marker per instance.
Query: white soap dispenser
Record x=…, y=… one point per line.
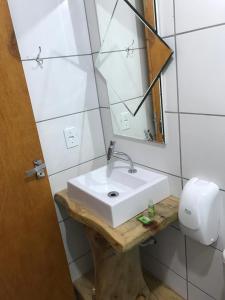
x=199, y=211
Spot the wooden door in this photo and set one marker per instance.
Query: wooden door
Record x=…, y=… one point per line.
x=32, y=258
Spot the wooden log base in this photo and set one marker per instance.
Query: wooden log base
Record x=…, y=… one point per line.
x=117, y=275
x=159, y=291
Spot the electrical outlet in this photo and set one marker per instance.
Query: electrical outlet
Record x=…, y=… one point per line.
x=124, y=121
x=71, y=137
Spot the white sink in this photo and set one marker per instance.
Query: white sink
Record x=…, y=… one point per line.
x=134, y=191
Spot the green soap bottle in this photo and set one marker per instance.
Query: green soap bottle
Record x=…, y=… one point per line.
x=151, y=209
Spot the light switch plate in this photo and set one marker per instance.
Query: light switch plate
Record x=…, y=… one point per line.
x=71, y=137
x=124, y=121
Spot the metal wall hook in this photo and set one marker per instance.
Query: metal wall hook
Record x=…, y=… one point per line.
x=149, y=242
x=39, y=60
x=130, y=49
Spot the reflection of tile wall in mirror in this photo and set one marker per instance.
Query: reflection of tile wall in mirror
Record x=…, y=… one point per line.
x=126, y=64
x=126, y=124
x=126, y=76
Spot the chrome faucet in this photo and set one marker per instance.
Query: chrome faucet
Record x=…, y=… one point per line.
x=111, y=153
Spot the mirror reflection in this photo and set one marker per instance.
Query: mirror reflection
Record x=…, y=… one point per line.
x=130, y=61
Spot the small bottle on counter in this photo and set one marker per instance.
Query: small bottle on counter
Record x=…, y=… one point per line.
x=93, y=293
x=151, y=209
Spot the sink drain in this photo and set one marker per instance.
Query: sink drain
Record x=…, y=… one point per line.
x=113, y=194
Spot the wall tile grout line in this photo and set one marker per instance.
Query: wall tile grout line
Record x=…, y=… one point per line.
x=95, y=77
x=64, y=219
x=175, y=227
x=179, y=132
x=56, y=57
x=186, y=263
x=191, y=113
x=74, y=166
x=126, y=100
x=193, y=30
x=68, y=115
x=99, y=105
x=200, y=29
x=202, y=114
x=139, y=164
x=75, y=55
x=96, y=52
x=168, y=36
x=171, y=112
x=80, y=257
x=177, y=91
x=161, y=263
x=201, y=290
x=181, y=112
x=120, y=50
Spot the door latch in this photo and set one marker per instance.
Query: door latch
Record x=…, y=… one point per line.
x=38, y=170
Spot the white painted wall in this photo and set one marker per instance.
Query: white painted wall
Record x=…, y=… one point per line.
x=63, y=94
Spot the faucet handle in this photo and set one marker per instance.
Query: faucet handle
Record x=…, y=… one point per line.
x=110, y=150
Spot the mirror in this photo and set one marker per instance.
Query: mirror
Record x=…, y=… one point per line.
x=129, y=63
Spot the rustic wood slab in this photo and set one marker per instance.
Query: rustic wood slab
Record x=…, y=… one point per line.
x=85, y=286
x=117, y=275
x=129, y=234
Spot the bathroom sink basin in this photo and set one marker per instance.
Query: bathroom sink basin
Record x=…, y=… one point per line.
x=115, y=195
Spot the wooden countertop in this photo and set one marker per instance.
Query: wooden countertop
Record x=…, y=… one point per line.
x=129, y=234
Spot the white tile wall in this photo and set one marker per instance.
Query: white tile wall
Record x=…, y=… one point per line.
x=130, y=70
x=206, y=269
x=81, y=266
x=103, y=92
x=92, y=20
x=172, y=240
x=196, y=294
x=163, y=273
x=202, y=136
x=169, y=82
x=55, y=25
x=104, y=11
x=74, y=239
x=137, y=124
x=123, y=35
x=220, y=244
x=63, y=86
x=201, y=71
x=91, y=143
x=165, y=19
x=195, y=14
